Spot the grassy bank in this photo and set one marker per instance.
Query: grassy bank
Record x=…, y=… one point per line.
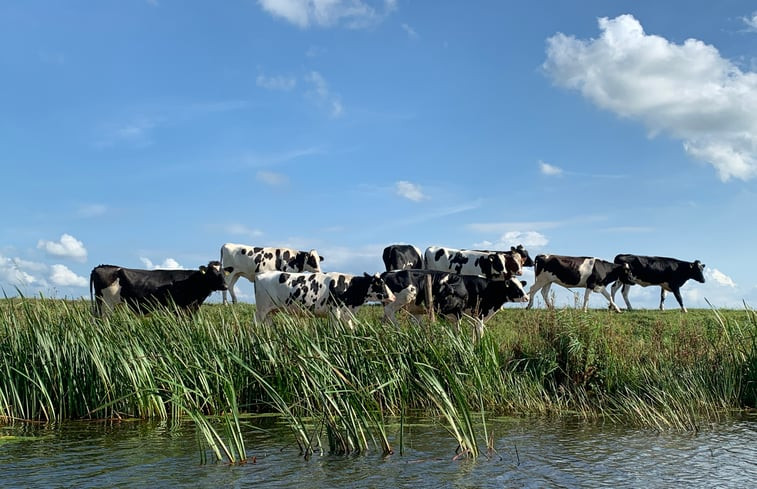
x=336, y=386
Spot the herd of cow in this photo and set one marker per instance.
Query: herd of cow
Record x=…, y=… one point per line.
x=475, y=283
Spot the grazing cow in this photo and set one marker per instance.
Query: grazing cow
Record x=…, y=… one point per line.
x=409, y=288
x=248, y=261
x=669, y=273
x=402, y=257
x=490, y=264
x=486, y=297
x=577, y=271
x=142, y=290
x=318, y=293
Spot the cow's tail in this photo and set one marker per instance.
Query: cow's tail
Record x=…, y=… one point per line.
x=539, y=263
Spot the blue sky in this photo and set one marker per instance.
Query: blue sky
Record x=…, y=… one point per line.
x=149, y=133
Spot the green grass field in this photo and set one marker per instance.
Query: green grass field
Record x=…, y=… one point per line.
x=337, y=387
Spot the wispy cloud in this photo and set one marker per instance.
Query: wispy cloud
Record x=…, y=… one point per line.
x=410, y=191
x=91, y=210
x=751, y=21
x=410, y=31
x=719, y=277
x=66, y=247
x=272, y=159
x=353, y=14
x=549, y=170
x=242, y=230
x=272, y=178
x=686, y=90
x=278, y=82
x=515, y=238
x=322, y=95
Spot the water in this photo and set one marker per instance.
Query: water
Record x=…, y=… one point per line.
x=528, y=453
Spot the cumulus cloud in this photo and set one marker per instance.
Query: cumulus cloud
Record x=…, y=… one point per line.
x=283, y=83
x=168, y=264
x=549, y=170
x=687, y=91
x=409, y=191
x=272, y=178
x=515, y=238
x=353, y=14
x=61, y=275
x=17, y=272
x=67, y=247
x=322, y=95
x=720, y=278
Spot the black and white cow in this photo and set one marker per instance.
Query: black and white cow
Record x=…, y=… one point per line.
x=486, y=297
x=402, y=257
x=591, y=273
x=669, y=273
x=448, y=292
x=248, y=261
x=141, y=290
x=489, y=264
x=320, y=294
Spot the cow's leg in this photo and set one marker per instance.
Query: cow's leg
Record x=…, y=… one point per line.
x=607, y=295
x=231, y=280
x=478, y=330
x=626, y=288
x=545, y=293
x=111, y=297
x=401, y=299
x=538, y=284
x=677, y=294
x=662, y=299
x=586, y=298
x=614, y=288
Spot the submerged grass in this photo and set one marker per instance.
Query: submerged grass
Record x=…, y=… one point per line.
x=335, y=386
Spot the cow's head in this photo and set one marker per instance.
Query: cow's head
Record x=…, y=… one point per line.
x=697, y=271
x=625, y=275
x=525, y=259
x=513, y=264
x=378, y=291
x=214, y=276
x=515, y=291
x=494, y=265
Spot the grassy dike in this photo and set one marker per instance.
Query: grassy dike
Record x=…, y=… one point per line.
x=340, y=389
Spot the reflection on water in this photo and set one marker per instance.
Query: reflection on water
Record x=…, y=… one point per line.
x=527, y=453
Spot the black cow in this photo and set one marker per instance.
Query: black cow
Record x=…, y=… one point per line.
x=402, y=257
x=669, y=273
x=486, y=297
x=577, y=271
x=448, y=292
x=141, y=290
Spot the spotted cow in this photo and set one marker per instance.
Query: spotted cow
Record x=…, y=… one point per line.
x=490, y=264
x=248, y=261
x=409, y=288
x=320, y=294
x=669, y=273
x=486, y=297
x=591, y=273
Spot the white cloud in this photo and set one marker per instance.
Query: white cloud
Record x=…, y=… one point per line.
x=67, y=247
x=409, y=191
x=17, y=272
x=63, y=277
x=751, y=21
x=515, y=238
x=685, y=90
x=410, y=31
x=283, y=83
x=272, y=178
x=321, y=94
x=719, y=277
x=354, y=14
x=549, y=170
x=168, y=264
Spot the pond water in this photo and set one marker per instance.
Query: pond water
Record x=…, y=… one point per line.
x=528, y=453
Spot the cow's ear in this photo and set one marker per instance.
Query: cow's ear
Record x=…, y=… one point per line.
x=513, y=249
x=320, y=258
x=365, y=274
x=203, y=269
x=228, y=269
x=523, y=283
